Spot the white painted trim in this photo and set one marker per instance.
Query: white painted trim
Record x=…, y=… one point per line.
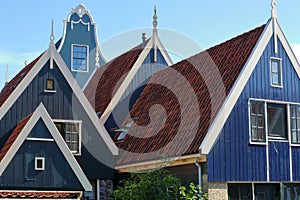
x=49, y=91
x=131, y=165
x=97, y=190
x=72, y=83
x=41, y=113
x=164, y=52
x=36, y=159
x=290, y=141
x=240, y=83
x=115, y=99
x=40, y=139
x=280, y=72
x=267, y=141
x=87, y=58
x=81, y=21
x=235, y=92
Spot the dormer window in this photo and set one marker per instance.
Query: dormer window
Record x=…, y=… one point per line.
x=80, y=58
x=276, y=72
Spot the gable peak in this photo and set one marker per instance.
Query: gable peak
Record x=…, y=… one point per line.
x=80, y=10
x=273, y=5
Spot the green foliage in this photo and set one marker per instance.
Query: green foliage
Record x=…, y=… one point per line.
x=159, y=184
x=192, y=192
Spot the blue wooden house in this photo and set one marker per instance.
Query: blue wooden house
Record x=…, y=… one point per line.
x=52, y=145
x=231, y=124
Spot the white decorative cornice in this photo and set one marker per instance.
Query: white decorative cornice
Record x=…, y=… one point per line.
x=80, y=10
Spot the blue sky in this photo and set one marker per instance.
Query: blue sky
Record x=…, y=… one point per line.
x=26, y=24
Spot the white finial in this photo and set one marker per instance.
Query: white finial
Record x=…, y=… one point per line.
x=6, y=75
x=52, y=32
x=273, y=4
x=154, y=18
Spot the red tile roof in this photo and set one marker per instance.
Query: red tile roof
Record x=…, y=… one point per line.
x=158, y=132
x=38, y=194
x=108, y=78
x=9, y=87
x=11, y=139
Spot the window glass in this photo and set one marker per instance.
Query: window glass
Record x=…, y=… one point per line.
x=295, y=123
x=70, y=133
x=276, y=72
x=277, y=127
x=240, y=191
x=257, y=122
x=79, y=58
x=50, y=84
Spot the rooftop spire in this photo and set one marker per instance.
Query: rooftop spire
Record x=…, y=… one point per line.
x=273, y=4
x=154, y=34
x=52, y=32
x=6, y=75
x=274, y=24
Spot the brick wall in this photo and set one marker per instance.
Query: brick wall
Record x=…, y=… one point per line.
x=217, y=191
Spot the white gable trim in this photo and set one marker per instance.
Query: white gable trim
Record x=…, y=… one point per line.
x=52, y=53
x=218, y=123
x=41, y=113
x=115, y=99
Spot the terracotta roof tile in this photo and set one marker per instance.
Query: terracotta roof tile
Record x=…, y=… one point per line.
x=38, y=194
x=108, y=78
x=13, y=137
x=229, y=58
x=10, y=86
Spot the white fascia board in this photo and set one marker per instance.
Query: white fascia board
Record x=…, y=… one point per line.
x=164, y=52
x=23, y=84
x=218, y=123
x=42, y=113
x=288, y=50
x=115, y=99
x=85, y=103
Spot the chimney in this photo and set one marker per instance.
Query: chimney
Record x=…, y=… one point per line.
x=144, y=39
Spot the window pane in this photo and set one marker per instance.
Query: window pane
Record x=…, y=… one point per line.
x=276, y=72
x=275, y=66
x=275, y=79
x=276, y=120
x=80, y=58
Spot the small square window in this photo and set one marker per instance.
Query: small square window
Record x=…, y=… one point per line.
x=39, y=163
x=276, y=72
x=50, y=84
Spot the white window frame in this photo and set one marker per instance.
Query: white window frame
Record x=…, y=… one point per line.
x=36, y=159
x=280, y=72
x=87, y=58
x=79, y=122
x=287, y=104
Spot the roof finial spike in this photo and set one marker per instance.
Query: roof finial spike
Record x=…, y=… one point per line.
x=6, y=75
x=52, y=32
x=273, y=4
x=154, y=18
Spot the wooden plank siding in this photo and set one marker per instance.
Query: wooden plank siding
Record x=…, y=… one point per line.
x=57, y=174
x=61, y=105
x=233, y=158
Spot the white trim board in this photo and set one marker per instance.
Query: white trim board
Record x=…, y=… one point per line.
x=218, y=123
x=136, y=66
x=52, y=53
x=41, y=113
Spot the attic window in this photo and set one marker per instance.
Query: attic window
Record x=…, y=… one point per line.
x=49, y=86
x=276, y=72
x=80, y=58
x=39, y=163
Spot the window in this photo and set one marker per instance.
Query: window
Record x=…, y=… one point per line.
x=276, y=75
x=271, y=118
x=240, y=191
x=295, y=123
x=277, y=127
x=257, y=122
x=80, y=58
x=50, y=84
x=70, y=131
x=39, y=163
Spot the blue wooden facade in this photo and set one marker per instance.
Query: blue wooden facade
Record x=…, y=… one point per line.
x=233, y=158
x=80, y=29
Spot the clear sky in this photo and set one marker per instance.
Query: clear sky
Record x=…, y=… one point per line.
x=25, y=25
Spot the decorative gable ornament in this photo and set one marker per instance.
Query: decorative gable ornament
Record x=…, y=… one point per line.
x=81, y=10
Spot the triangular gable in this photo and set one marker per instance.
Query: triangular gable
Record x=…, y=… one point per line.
x=134, y=69
x=19, y=137
x=52, y=55
x=219, y=121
